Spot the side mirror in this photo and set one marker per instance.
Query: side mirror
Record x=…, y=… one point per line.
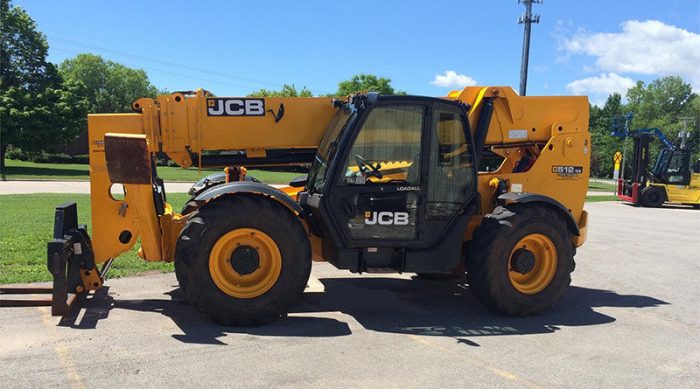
x=298, y=182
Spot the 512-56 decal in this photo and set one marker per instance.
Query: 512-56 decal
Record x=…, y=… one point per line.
x=567, y=171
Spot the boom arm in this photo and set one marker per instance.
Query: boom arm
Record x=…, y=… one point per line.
x=651, y=132
x=625, y=132
x=259, y=131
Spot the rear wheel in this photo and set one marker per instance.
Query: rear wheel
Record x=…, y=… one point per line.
x=243, y=261
x=652, y=196
x=521, y=259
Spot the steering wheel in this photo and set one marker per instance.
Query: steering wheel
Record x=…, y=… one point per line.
x=367, y=168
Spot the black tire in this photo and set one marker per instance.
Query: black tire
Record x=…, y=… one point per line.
x=214, y=220
x=489, y=258
x=652, y=196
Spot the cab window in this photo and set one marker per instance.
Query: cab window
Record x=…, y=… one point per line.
x=677, y=168
x=387, y=148
x=451, y=172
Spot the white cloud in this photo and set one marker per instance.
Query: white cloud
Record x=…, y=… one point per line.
x=452, y=79
x=598, y=88
x=603, y=84
x=646, y=47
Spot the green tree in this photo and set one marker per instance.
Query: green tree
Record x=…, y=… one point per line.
x=367, y=83
x=693, y=127
x=604, y=143
x=661, y=102
x=286, y=91
x=109, y=86
x=38, y=111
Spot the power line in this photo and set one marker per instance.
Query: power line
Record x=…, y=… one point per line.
x=163, y=62
x=248, y=87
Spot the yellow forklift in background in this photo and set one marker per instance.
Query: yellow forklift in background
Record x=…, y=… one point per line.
x=674, y=178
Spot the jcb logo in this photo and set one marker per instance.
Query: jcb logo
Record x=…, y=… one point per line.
x=386, y=218
x=235, y=107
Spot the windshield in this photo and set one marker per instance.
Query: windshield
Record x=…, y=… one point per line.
x=661, y=163
x=317, y=174
x=677, y=164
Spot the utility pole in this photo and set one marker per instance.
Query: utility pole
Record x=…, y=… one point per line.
x=684, y=134
x=628, y=118
x=527, y=19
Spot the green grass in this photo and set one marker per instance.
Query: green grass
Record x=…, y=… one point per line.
x=22, y=170
x=601, y=186
x=597, y=199
x=26, y=225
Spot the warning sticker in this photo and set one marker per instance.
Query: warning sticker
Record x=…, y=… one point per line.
x=517, y=134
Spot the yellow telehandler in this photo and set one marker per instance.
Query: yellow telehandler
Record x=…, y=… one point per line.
x=394, y=184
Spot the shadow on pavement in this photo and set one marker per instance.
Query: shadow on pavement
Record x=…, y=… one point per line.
x=97, y=307
x=443, y=308
x=392, y=305
x=666, y=206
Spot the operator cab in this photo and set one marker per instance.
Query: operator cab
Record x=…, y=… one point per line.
x=672, y=167
x=393, y=184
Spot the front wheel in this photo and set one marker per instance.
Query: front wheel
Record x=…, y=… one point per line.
x=652, y=196
x=521, y=259
x=243, y=261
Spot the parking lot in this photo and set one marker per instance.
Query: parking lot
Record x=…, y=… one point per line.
x=631, y=318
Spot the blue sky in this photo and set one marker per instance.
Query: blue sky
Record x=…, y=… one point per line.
x=588, y=47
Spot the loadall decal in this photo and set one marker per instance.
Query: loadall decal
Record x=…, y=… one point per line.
x=385, y=218
x=225, y=106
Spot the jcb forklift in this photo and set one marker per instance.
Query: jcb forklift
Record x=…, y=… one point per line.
x=673, y=178
x=394, y=186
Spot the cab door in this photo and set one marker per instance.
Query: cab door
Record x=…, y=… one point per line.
x=404, y=176
x=378, y=185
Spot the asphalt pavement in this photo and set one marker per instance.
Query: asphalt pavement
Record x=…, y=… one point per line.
x=631, y=318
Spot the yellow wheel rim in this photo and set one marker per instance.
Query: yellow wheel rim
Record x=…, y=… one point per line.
x=245, y=263
x=532, y=263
